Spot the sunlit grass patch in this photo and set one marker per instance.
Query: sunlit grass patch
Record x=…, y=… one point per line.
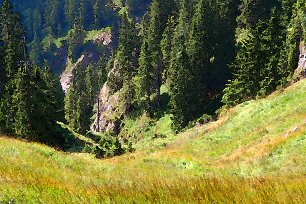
x=253, y=153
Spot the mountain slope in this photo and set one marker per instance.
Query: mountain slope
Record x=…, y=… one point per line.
x=254, y=152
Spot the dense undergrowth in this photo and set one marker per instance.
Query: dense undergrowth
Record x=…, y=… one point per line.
x=255, y=153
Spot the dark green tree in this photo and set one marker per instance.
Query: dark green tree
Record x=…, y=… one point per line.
x=13, y=56
x=200, y=50
x=81, y=97
x=295, y=34
x=125, y=61
x=70, y=10
x=53, y=14
x=166, y=45
x=181, y=77
x=151, y=65
x=76, y=39
x=30, y=104
x=46, y=106
x=259, y=43
x=20, y=104
x=36, y=48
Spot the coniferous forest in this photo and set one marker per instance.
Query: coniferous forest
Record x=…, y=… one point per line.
x=111, y=71
x=152, y=101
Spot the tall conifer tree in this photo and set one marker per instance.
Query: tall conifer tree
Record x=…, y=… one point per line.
x=181, y=77
x=151, y=65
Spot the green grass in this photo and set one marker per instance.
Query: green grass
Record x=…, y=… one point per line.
x=90, y=35
x=254, y=153
x=79, y=137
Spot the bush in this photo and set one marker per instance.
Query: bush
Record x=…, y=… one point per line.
x=110, y=146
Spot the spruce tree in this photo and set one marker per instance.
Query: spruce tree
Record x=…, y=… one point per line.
x=88, y=13
x=12, y=39
x=20, y=102
x=73, y=104
x=2, y=67
x=14, y=56
x=76, y=38
x=27, y=105
x=259, y=42
x=271, y=42
x=166, y=45
x=295, y=33
x=145, y=77
x=181, y=78
x=53, y=15
x=36, y=47
x=125, y=61
x=246, y=74
x=70, y=8
x=151, y=65
x=200, y=50
x=128, y=48
x=46, y=106
x=81, y=97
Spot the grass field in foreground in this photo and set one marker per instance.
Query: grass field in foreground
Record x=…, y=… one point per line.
x=254, y=153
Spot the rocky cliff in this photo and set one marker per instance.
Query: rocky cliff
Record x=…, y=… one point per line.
x=300, y=72
x=112, y=105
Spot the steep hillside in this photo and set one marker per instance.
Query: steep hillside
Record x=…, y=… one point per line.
x=48, y=24
x=254, y=152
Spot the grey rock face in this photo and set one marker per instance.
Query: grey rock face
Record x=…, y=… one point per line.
x=300, y=72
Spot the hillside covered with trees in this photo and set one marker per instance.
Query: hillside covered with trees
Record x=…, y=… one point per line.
x=117, y=72
x=128, y=66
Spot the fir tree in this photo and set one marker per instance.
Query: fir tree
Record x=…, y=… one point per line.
x=125, y=60
x=36, y=48
x=288, y=60
x=181, y=77
x=20, y=101
x=46, y=105
x=76, y=39
x=28, y=106
x=70, y=11
x=14, y=56
x=2, y=67
x=258, y=46
x=166, y=45
x=151, y=65
x=200, y=50
x=53, y=15
x=81, y=97
x=145, y=76
x=12, y=39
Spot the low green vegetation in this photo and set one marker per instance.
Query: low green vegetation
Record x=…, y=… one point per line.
x=90, y=35
x=254, y=152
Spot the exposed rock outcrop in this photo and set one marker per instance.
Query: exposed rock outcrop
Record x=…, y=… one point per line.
x=111, y=109
x=67, y=75
x=107, y=110
x=93, y=55
x=90, y=51
x=105, y=38
x=300, y=72
x=112, y=105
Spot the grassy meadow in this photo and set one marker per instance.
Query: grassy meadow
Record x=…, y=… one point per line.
x=254, y=153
